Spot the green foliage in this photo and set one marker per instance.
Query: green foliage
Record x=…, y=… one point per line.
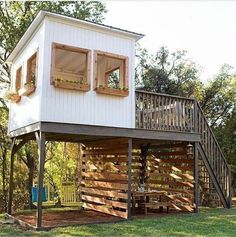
x=61, y=166
x=226, y=135
x=114, y=79
x=4, y=162
x=169, y=73
x=218, y=98
x=209, y=222
x=15, y=18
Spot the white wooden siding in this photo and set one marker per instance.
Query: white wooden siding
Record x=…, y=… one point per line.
x=27, y=111
x=52, y=104
x=61, y=105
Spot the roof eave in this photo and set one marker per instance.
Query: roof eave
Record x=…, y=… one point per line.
x=39, y=18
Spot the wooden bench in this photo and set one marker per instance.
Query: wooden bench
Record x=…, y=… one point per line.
x=156, y=204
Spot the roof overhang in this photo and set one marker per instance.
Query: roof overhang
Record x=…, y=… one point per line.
x=84, y=23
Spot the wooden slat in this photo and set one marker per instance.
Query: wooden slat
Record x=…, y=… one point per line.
x=176, y=190
x=104, y=201
x=168, y=153
x=163, y=175
x=180, y=199
x=171, y=160
x=106, y=159
x=164, y=168
x=105, y=185
x=105, y=210
x=107, y=167
x=110, y=193
x=109, y=152
x=186, y=176
x=171, y=183
x=105, y=175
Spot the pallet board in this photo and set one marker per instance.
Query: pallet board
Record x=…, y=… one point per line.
x=105, y=177
x=169, y=168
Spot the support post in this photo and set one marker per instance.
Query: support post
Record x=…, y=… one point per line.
x=10, y=194
x=40, y=138
x=196, y=181
x=143, y=160
x=230, y=188
x=129, y=176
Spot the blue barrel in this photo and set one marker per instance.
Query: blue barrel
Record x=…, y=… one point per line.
x=35, y=194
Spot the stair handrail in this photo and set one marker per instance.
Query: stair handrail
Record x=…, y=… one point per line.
x=226, y=185
x=212, y=134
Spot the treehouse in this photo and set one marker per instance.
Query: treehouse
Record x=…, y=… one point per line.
x=73, y=81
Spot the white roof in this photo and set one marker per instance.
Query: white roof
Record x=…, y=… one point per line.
x=42, y=14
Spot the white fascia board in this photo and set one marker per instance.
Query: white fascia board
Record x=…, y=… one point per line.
x=42, y=14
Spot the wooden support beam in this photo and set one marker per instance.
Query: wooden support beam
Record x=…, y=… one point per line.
x=40, y=138
x=230, y=189
x=14, y=148
x=129, y=176
x=143, y=160
x=9, y=207
x=196, y=185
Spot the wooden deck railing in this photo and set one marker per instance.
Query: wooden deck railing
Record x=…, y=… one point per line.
x=164, y=112
x=214, y=153
x=172, y=113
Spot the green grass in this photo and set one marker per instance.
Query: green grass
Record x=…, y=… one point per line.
x=210, y=222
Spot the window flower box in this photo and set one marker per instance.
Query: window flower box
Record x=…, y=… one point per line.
x=27, y=89
x=14, y=97
x=123, y=92
x=71, y=85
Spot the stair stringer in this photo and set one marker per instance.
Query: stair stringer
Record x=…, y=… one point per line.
x=212, y=176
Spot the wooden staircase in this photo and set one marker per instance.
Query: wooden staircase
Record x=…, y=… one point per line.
x=184, y=115
x=212, y=156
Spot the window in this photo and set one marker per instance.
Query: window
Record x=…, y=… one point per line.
x=32, y=69
x=111, y=74
x=70, y=67
x=18, y=81
x=14, y=96
x=31, y=76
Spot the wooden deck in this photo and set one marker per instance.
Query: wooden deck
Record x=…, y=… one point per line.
x=62, y=218
x=54, y=219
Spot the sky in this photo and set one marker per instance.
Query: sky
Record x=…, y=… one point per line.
x=206, y=29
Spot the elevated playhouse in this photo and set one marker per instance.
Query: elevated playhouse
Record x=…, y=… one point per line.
x=73, y=81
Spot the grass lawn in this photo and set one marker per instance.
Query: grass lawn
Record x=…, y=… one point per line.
x=210, y=222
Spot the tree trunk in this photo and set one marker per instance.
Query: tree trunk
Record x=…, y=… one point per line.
x=4, y=169
x=30, y=164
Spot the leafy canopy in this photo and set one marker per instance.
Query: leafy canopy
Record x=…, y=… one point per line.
x=166, y=72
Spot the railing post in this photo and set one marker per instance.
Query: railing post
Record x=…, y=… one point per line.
x=195, y=116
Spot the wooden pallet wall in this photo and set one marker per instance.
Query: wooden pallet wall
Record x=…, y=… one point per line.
x=169, y=168
x=104, y=177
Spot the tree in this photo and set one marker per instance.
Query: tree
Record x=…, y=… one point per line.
x=218, y=98
x=16, y=16
x=4, y=147
x=170, y=73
